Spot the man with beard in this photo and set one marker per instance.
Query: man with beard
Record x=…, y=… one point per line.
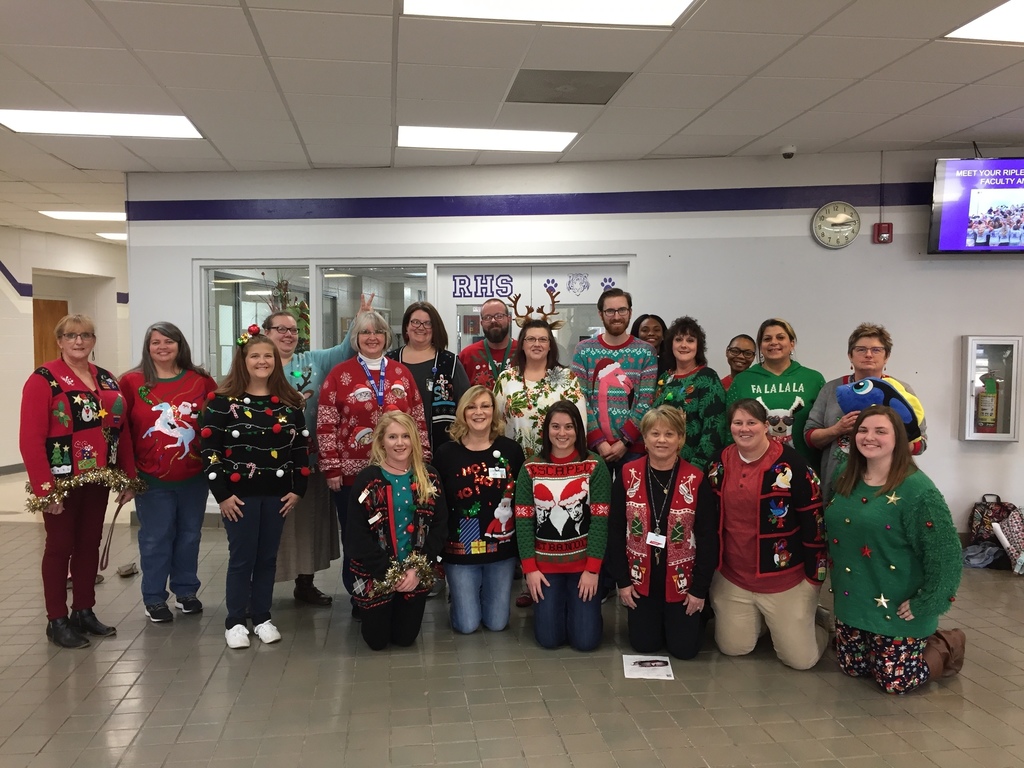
x=485, y=359
x=618, y=373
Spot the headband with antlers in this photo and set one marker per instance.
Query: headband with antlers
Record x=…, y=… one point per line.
x=523, y=317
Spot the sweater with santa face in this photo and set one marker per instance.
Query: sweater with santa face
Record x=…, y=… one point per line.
x=479, y=487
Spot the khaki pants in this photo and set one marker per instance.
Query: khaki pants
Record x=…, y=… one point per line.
x=740, y=617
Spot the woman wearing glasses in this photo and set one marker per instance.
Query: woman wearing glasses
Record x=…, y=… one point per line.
x=739, y=355
x=439, y=375
x=76, y=449
x=828, y=427
x=352, y=399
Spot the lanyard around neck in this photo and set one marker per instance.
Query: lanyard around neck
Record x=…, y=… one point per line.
x=377, y=389
x=495, y=370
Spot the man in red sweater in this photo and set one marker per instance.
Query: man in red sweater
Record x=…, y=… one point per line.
x=485, y=359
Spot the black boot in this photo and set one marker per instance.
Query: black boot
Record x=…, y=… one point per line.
x=63, y=634
x=85, y=621
x=305, y=592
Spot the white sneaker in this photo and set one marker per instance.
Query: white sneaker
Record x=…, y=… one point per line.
x=237, y=636
x=267, y=632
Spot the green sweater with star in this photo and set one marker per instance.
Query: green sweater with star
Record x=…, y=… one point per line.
x=701, y=396
x=889, y=548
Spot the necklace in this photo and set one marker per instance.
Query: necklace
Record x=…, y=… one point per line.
x=659, y=518
x=495, y=368
x=393, y=469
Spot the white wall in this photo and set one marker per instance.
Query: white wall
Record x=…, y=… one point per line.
x=730, y=269
x=88, y=275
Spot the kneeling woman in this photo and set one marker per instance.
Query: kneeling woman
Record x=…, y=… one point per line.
x=896, y=562
x=663, y=540
x=397, y=521
x=562, y=497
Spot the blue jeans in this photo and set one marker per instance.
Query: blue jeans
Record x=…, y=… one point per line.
x=480, y=593
x=563, y=617
x=252, y=559
x=341, y=499
x=170, y=527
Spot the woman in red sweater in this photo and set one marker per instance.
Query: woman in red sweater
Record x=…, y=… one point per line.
x=76, y=451
x=165, y=393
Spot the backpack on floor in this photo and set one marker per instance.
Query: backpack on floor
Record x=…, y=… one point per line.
x=1010, y=533
x=991, y=509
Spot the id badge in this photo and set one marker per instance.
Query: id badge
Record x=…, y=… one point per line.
x=496, y=473
x=656, y=540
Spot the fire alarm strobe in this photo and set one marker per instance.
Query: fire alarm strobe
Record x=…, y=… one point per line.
x=881, y=233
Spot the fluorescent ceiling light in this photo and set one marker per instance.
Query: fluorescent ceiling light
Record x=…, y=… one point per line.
x=85, y=215
x=258, y=293
x=239, y=280
x=1004, y=24
x=422, y=137
x=645, y=13
x=113, y=235
x=98, y=124
x=415, y=274
x=337, y=274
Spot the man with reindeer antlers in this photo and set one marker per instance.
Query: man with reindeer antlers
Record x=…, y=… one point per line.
x=484, y=360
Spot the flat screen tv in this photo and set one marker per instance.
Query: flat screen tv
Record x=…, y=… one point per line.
x=978, y=206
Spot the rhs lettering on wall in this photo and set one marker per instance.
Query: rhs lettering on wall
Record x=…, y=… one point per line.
x=481, y=286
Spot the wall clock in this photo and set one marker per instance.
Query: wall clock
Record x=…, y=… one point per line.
x=835, y=225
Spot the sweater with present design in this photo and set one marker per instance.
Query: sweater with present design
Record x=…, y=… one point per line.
x=562, y=514
x=700, y=395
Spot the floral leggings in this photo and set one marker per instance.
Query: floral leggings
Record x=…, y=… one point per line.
x=896, y=663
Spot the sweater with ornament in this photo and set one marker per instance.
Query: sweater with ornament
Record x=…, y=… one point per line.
x=70, y=431
x=562, y=514
x=479, y=487
x=254, y=446
x=889, y=548
x=618, y=383
x=700, y=395
x=524, y=404
x=163, y=419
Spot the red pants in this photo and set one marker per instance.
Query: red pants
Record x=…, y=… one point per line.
x=74, y=537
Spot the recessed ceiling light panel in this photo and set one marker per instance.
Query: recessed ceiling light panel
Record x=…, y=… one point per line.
x=639, y=13
x=98, y=124
x=85, y=215
x=1004, y=24
x=113, y=235
x=423, y=137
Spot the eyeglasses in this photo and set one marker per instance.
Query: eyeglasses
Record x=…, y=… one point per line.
x=284, y=330
x=496, y=317
x=425, y=324
x=746, y=354
x=372, y=333
x=872, y=350
x=83, y=336
x=620, y=312
x=536, y=340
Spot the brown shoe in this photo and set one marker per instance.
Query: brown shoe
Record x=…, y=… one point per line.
x=944, y=653
x=524, y=600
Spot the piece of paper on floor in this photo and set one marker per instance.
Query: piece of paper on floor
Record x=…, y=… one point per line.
x=647, y=667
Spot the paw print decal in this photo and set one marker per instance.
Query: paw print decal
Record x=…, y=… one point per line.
x=550, y=285
x=607, y=283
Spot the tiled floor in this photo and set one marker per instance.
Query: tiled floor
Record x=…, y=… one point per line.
x=174, y=695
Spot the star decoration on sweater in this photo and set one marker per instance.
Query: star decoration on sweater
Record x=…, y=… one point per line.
x=77, y=399
x=865, y=551
x=892, y=498
x=102, y=413
x=882, y=601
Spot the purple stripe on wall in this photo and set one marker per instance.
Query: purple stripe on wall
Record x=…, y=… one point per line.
x=677, y=201
x=25, y=289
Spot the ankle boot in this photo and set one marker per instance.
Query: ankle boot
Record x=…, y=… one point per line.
x=944, y=653
x=85, y=621
x=63, y=634
x=306, y=592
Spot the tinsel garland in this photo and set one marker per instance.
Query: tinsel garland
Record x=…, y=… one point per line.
x=396, y=572
x=114, y=479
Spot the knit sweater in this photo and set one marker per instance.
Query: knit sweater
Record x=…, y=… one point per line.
x=306, y=372
x=163, y=420
x=525, y=404
x=562, y=514
x=479, y=368
x=479, y=488
x=254, y=446
x=890, y=548
x=69, y=431
x=700, y=395
x=442, y=384
x=618, y=383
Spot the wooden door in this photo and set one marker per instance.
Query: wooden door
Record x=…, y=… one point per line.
x=46, y=313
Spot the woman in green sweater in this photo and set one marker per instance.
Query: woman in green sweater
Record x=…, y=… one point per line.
x=896, y=562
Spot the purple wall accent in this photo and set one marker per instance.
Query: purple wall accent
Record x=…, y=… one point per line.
x=25, y=289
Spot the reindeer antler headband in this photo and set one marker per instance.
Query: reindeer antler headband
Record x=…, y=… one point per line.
x=523, y=317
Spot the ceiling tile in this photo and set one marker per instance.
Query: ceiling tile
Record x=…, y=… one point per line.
x=839, y=57
x=167, y=27
x=546, y=117
x=54, y=22
x=820, y=124
x=658, y=120
x=729, y=122
x=90, y=152
x=718, y=53
x=783, y=16
x=229, y=132
x=517, y=158
x=453, y=83
x=208, y=71
x=79, y=65
x=1010, y=76
x=207, y=107
x=346, y=109
x=385, y=7
x=333, y=78
x=612, y=146
x=885, y=96
x=919, y=128
x=349, y=156
x=406, y=157
x=1001, y=129
x=93, y=97
x=788, y=94
x=461, y=114
x=981, y=101
x=334, y=36
x=462, y=43
x=151, y=149
x=680, y=91
x=771, y=145
x=593, y=48
x=29, y=94
x=80, y=188
x=945, y=61
x=325, y=134
x=923, y=19
x=861, y=144
x=190, y=164
x=685, y=145
x=276, y=152
x=269, y=165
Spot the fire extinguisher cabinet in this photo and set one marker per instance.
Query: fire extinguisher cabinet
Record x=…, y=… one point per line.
x=991, y=370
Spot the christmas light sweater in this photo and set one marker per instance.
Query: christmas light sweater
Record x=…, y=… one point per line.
x=72, y=435
x=562, y=514
x=890, y=548
x=254, y=446
x=700, y=395
x=163, y=419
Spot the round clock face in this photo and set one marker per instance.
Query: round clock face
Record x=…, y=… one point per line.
x=835, y=225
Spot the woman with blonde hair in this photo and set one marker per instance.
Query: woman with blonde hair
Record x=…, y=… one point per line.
x=479, y=467
x=396, y=527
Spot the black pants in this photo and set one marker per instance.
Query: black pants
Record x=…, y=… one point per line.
x=655, y=624
x=397, y=621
